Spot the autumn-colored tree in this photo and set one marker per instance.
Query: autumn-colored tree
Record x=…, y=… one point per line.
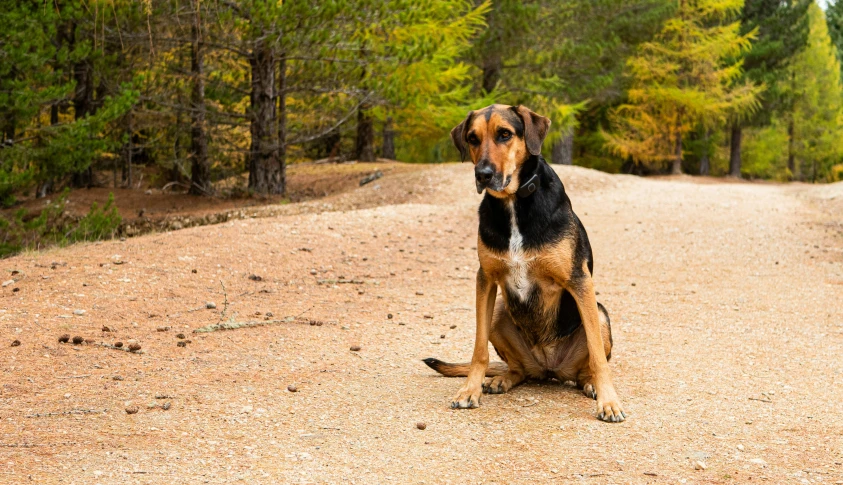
x=816, y=88
x=684, y=79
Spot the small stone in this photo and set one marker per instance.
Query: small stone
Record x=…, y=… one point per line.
x=180, y=336
x=15, y=290
x=554, y=470
x=118, y=344
x=182, y=343
x=132, y=410
x=740, y=447
x=292, y=388
x=210, y=305
x=355, y=348
x=421, y=425
x=64, y=338
x=193, y=271
x=134, y=347
x=246, y=410
x=162, y=329
x=255, y=277
x=389, y=316
x=699, y=465
x=420, y=293
x=633, y=284
x=360, y=292
x=116, y=378
x=166, y=405
x=428, y=316
x=106, y=329
x=313, y=271
x=77, y=340
x=15, y=343
x=758, y=461
x=269, y=314
x=78, y=312
x=442, y=336
x=89, y=341
x=453, y=327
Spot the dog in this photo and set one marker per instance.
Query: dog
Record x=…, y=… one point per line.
x=533, y=247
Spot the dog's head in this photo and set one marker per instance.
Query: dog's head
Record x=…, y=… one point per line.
x=499, y=139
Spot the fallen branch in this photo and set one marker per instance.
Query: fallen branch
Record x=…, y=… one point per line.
x=234, y=325
x=73, y=377
x=340, y=282
x=757, y=399
x=72, y=411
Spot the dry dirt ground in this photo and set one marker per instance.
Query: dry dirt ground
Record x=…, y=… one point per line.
x=727, y=309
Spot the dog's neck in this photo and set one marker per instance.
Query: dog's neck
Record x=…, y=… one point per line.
x=528, y=177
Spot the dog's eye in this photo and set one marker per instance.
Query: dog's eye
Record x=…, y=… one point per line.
x=504, y=135
x=472, y=138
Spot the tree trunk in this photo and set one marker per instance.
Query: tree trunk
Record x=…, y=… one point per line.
x=128, y=150
x=9, y=128
x=200, y=173
x=491, y=55
x=388, y=150
x=282, y=123
x=791, y=156
x=492, y=65
x=264, y=169
x=735, y=151
x=82, y=106
x=364, y=148
x=705, y=163
x=562, y=152
x=677, y=160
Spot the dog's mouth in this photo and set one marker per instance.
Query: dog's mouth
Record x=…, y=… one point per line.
x=496, y=184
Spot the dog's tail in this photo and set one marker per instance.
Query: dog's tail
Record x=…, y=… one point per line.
x=461, y=370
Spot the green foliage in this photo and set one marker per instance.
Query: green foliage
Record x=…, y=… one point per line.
x=781, y=32
x=816, y=88
x=683, y=80
x=53, y=227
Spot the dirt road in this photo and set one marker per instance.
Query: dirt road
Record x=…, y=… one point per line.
x=727, y=310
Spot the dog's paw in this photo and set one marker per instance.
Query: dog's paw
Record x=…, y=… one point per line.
x=466, y=398
x=589, y=391
x=609, y=407
x=497, y=385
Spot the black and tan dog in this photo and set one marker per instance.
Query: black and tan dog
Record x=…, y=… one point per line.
x=534, y=248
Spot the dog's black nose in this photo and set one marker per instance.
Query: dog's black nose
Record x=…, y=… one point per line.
x=483, y=173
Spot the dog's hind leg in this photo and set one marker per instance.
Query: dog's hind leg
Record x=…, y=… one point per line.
x=512, y=348
x=574, y=361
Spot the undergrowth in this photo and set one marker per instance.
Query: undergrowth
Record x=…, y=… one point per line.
x=53, y=227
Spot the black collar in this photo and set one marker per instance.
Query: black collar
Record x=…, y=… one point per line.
x=528, y=187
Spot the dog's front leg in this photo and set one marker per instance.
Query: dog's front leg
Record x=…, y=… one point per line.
x=609, y=406
x=469, y=394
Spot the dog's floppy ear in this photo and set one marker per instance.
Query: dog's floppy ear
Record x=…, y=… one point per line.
x=458, y=135
x=535, y=129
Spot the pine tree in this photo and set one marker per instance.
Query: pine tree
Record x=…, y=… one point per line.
x=816, y=89
x=781, y=32
x=683, y=79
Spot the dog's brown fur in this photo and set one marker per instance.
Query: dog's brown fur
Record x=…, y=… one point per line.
x=530, y=349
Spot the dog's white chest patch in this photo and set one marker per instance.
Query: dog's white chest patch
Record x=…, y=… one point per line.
x=518, y=280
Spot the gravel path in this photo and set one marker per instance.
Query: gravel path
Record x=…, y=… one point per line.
x=726, y=302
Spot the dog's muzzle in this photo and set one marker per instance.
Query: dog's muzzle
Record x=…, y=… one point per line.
x=485, y=177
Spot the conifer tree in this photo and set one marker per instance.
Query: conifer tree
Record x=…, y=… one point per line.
x=683, y=79
x=818, y=99
x=781, y=31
